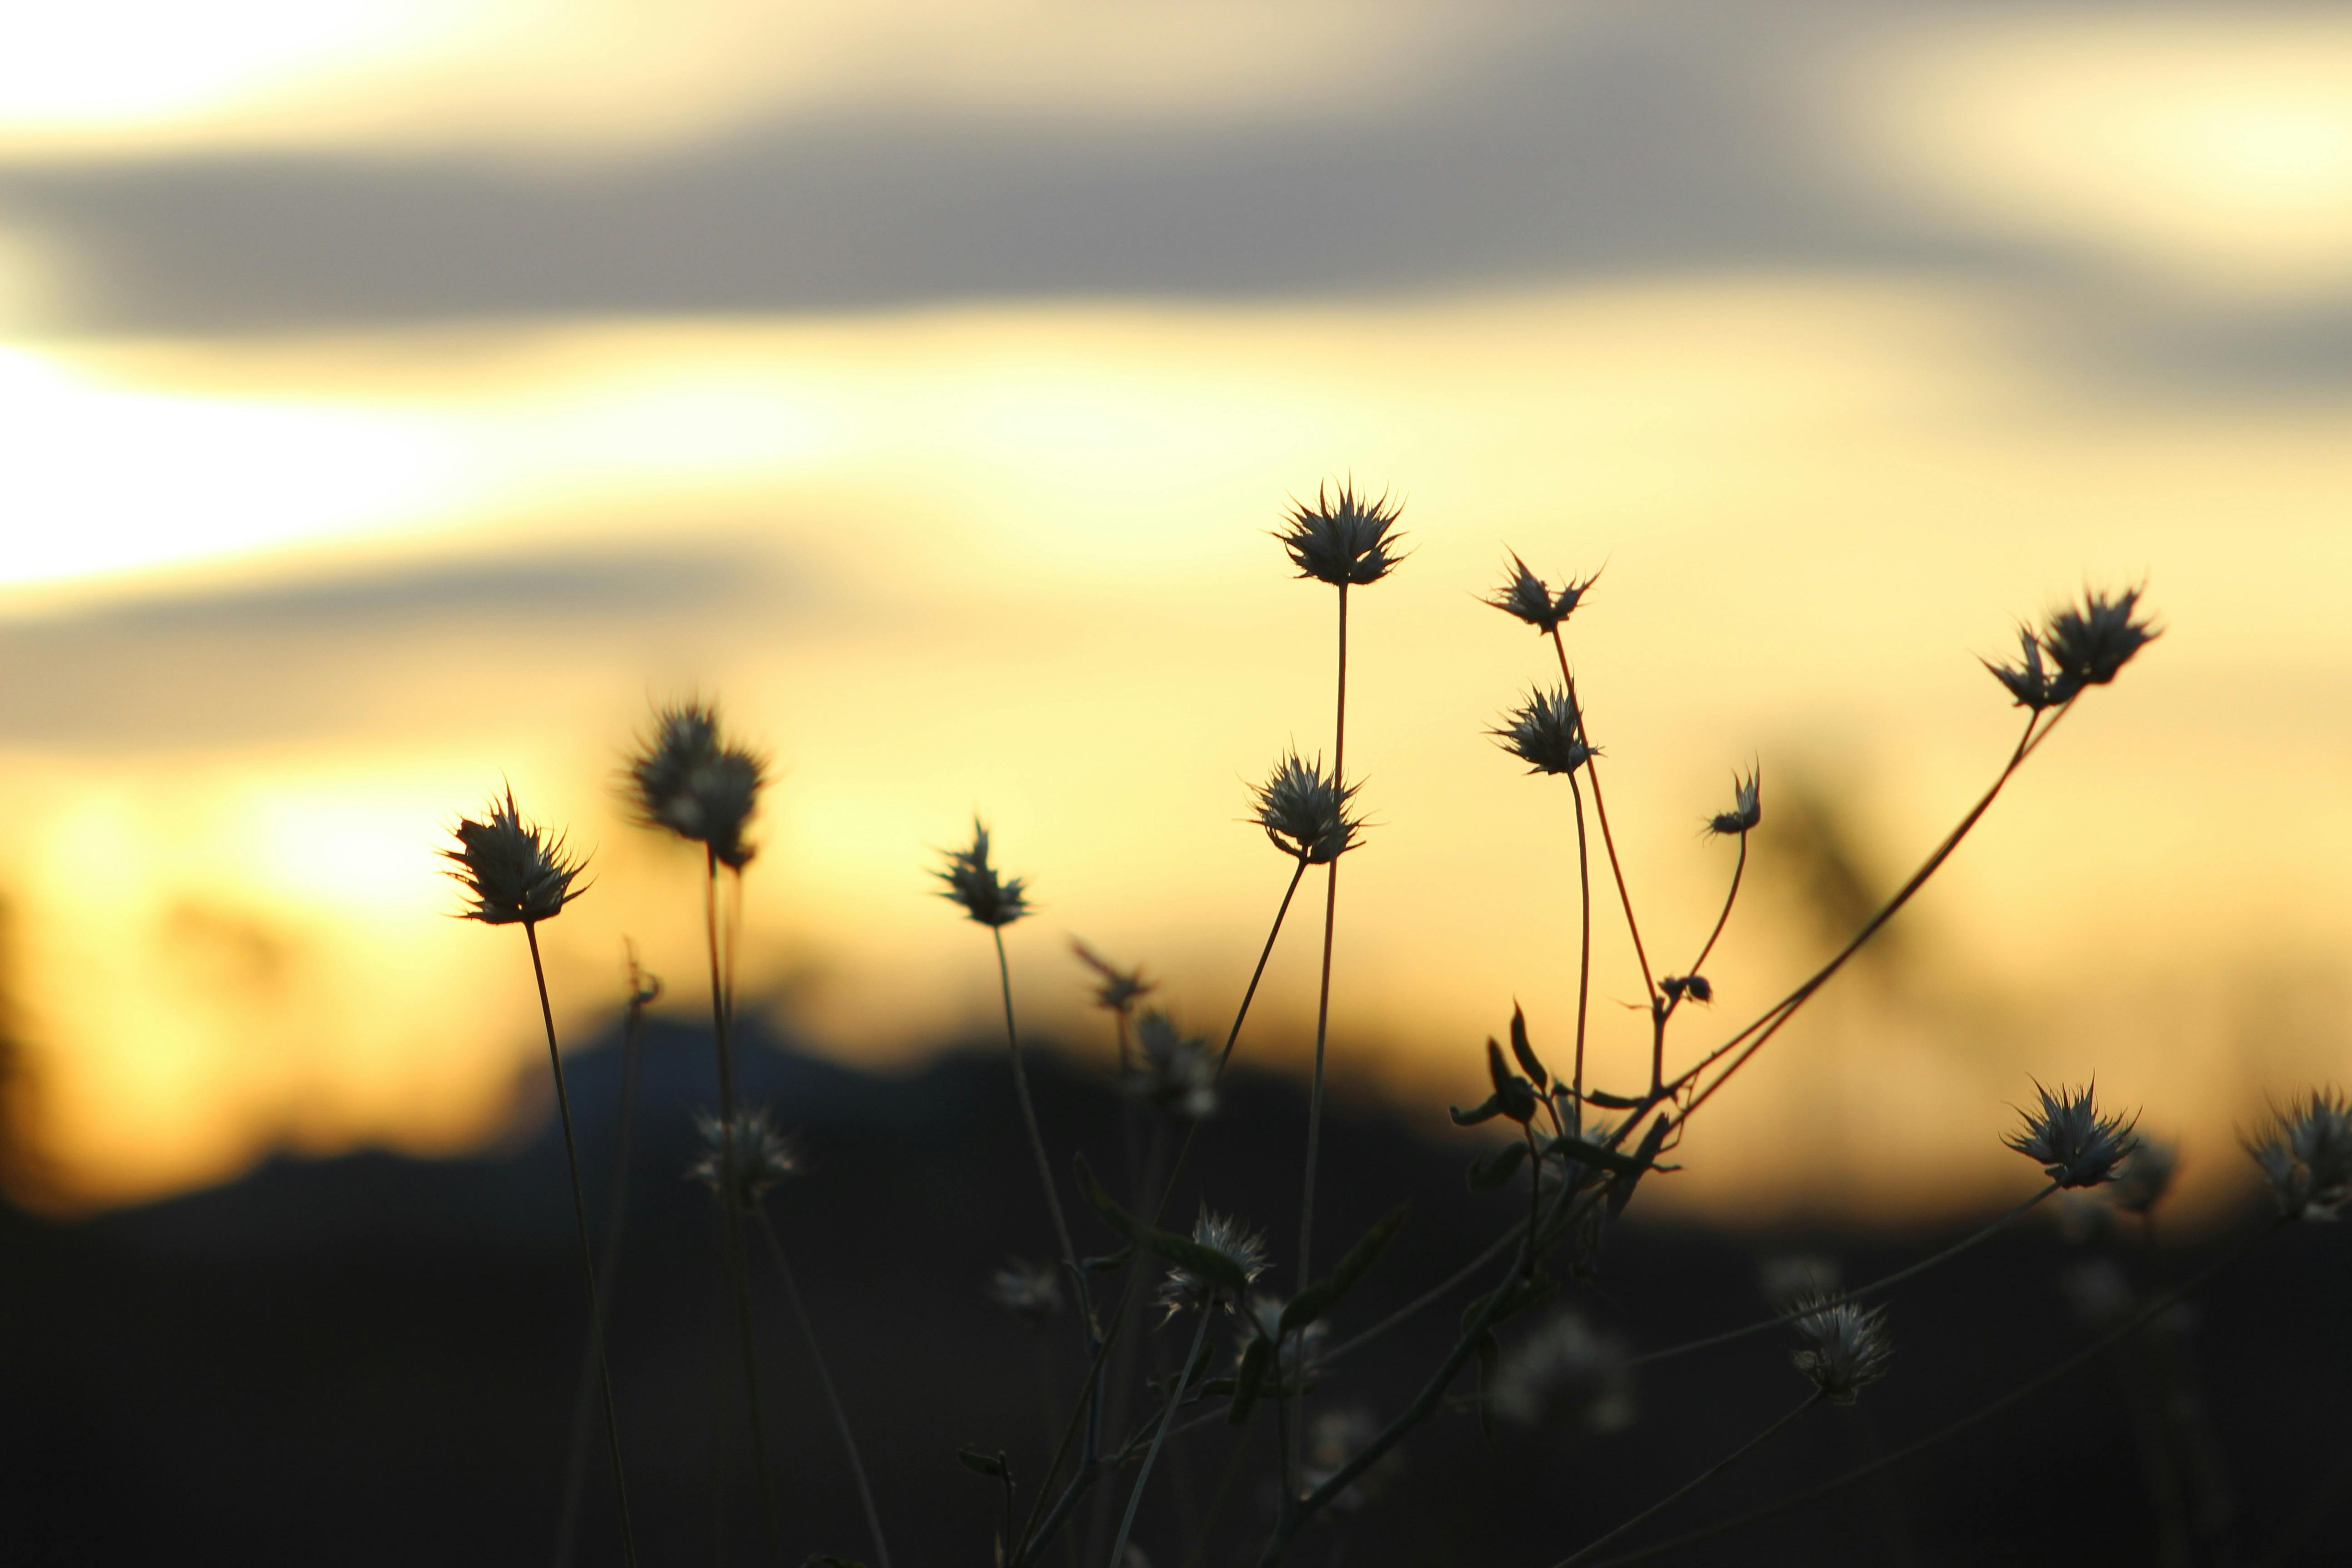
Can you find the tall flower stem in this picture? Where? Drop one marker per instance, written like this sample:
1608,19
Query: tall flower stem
1029,1124
1584,945
1322,1005
587,1247
1036,1532
1175,1397
1601,809
616,1222
824,1382
738,1267
1693,1485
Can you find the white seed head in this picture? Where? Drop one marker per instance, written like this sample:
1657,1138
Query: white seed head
747,1145
2068,1138
1030,1291
2306,1155
991,898
1245,1248
1846,1348
1174,1072
512,869
1305,812
1567,1372
1342,540
1547,732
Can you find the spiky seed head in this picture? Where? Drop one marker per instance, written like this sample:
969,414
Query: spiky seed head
1342,540
1567,1372
746,1146
1305,812
2144,1176
986,896
2027,680
2306,1155
1183,1289
1118,989
1301,1354
2089,643
512,870
2068,1138
1746,806
1547,732
1531,599
1846,1348
688,777
1174,1073
1030,1291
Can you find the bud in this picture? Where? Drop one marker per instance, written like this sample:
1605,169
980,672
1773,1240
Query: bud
1530,598
1342,540
2071,1140
512,870
1846,1349
1305,813
1547,732
986,897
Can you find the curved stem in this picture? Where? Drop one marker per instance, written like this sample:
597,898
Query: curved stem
2072,1364
1258,973
824,1382
1029,1118
1840,1299
1175,1397
1584,946
587,1248
1428,1298
1696,1482
1601,809
1737,870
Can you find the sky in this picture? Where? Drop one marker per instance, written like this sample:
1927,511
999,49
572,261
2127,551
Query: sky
396,400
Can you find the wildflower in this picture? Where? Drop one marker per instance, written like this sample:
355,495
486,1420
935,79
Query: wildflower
2307,1157
2087,645
1698,988
1342,540
759,1155
1177,1072
1301,1354
991,898
1030,1291
1746,806
2027,680
1567,1372
1223,1234
1846,1348
512,869
2071,1140
2144,1176
689,779
1305,813
1547,732
1530,598
1120,988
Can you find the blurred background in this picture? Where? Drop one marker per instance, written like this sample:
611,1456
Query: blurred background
399,397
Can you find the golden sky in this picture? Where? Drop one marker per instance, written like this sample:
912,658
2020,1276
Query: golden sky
923,383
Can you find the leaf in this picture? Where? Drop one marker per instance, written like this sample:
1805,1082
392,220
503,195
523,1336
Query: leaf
1621,1193
1495,1067
1324,1294
1488,1172
982,1462
1246,1381
1524,1051
1598,1155
1487,1112
1611,1101
1107,1261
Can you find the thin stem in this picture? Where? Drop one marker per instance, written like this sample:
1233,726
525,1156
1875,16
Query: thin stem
1840,1297
1322,1012
1037,1533
1175,1397
584,1396
1428,1298
1583,945
738,1267
1029,1116
1224,1487
825,1381
1601,809
1696,1482
1737,870
587,1248
1983,1413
